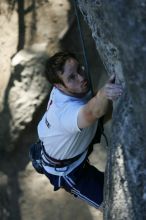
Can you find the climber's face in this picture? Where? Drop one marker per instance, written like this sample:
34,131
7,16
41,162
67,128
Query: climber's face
75,82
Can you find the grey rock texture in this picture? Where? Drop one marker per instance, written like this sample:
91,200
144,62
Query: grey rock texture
25,92
118,28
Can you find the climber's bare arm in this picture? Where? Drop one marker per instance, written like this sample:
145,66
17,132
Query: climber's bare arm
99,104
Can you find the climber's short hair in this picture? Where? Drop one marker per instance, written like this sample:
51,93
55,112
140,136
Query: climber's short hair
55,64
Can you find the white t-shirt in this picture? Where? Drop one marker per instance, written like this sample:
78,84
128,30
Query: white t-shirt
63,139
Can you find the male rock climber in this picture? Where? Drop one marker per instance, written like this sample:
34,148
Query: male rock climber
69,125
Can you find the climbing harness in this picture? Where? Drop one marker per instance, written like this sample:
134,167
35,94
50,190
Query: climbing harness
52,162
100,128
39,157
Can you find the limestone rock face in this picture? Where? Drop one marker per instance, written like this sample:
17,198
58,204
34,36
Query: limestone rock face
118,28
23,95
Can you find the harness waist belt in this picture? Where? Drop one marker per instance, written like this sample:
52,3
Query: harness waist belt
59,163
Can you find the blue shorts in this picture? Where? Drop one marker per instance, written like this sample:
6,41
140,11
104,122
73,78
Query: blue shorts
84,182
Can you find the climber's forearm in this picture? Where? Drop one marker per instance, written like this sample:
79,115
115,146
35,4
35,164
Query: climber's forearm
98,105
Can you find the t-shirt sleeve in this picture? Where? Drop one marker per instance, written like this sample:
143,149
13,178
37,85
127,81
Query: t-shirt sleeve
68,118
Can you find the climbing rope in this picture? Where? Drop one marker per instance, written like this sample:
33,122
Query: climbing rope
83,46
100,128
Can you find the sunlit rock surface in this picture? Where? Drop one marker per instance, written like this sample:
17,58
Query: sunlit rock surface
33,29
26,90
